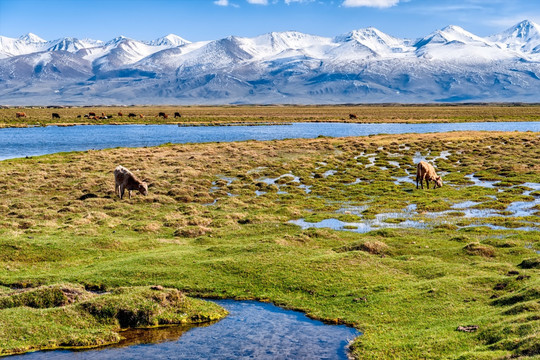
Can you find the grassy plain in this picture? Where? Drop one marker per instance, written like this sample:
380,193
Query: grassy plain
212,226
211,115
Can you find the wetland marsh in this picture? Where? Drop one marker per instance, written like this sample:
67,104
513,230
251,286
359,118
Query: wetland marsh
217,223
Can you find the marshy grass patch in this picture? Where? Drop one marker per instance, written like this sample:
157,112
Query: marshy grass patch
204,230
64,316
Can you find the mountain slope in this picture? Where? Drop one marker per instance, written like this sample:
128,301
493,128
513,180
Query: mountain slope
364,65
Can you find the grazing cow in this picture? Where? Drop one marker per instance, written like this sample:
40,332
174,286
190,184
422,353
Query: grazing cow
141,116
120,114
177,114
165,116
92,114
55,116
86,116
130,115
125,180
161,114
78,116
20,114
353,116
425,171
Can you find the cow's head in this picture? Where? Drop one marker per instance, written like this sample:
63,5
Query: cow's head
438,182
143,188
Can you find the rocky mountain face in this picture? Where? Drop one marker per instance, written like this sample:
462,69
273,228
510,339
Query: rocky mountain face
363,66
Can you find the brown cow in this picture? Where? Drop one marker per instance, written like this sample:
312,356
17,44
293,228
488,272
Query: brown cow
353,116
425,171
141,116
165,116
20,114
120,114
125,180
91,114
55,116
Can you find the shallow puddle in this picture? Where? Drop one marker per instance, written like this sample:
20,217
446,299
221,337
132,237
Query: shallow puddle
253,330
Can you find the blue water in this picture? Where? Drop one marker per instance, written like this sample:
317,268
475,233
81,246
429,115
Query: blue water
253,330
20,142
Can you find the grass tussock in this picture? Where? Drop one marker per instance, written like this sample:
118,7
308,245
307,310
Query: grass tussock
66,315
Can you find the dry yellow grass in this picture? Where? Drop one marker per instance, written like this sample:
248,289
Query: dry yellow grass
210,115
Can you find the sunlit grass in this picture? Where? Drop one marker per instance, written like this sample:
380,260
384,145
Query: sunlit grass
205,230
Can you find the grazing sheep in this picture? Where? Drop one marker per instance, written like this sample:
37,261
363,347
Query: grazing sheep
425,171
124,179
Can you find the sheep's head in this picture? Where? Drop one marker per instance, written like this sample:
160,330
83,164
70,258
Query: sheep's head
438,182
143,188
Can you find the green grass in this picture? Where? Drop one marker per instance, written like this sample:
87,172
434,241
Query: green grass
417,285
68,316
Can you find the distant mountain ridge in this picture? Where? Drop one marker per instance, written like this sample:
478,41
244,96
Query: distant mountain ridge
364,65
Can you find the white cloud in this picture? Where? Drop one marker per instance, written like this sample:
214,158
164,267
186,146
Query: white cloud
370,3
258,2
297,1
222,2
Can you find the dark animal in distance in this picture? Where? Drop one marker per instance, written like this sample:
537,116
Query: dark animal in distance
55,116
162,114
125,180
20,114
130,115
120,114
353,116
177,114
425,171
92,114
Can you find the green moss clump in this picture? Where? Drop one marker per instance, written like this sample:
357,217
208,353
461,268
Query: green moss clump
86,320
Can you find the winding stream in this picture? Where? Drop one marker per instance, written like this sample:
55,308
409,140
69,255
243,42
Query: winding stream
253,330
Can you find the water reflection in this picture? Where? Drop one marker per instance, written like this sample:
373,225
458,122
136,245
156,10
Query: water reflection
253,330
20,142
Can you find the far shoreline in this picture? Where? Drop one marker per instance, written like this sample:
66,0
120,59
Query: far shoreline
206,115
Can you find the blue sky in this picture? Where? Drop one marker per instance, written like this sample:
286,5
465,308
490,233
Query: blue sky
197,20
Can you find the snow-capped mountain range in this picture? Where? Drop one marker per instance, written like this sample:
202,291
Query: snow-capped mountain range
363,66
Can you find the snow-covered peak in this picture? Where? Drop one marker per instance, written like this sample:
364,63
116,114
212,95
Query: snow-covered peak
72,44
117,40
285,44
449,34
31,38
169,40
375,40
524,36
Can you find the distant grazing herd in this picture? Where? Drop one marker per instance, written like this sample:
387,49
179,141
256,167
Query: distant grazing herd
94,116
